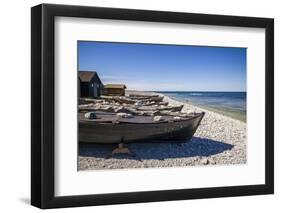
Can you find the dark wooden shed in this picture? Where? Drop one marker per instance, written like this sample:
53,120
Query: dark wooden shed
114,89
90,84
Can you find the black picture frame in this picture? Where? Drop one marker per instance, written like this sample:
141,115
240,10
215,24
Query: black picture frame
43,117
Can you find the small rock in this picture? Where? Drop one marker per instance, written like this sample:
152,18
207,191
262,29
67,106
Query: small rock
90,115
211,161
205,161
158,118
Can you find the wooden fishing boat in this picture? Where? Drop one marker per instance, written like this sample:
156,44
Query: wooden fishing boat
109,128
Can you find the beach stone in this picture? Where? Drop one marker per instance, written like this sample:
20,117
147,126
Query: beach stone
212,161
90,115
205,161
158,118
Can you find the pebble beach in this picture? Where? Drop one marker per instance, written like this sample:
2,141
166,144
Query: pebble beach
219,140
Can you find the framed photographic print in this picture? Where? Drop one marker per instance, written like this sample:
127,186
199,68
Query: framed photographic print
139,106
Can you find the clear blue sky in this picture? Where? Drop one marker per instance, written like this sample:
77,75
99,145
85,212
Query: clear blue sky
165,67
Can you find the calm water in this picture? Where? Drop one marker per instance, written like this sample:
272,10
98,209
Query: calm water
231,104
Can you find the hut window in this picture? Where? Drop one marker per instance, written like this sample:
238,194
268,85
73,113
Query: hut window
92,85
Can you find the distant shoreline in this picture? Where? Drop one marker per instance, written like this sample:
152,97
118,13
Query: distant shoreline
221,111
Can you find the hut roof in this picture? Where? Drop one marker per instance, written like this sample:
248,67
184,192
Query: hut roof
87,76
115,86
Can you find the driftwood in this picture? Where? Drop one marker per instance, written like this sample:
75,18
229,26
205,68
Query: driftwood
105,108
156,99
153,108
152,103
144,98
147,98
133,104
141,95
89,100
134,111
119,99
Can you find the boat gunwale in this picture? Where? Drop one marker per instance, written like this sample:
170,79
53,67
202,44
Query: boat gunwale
95,121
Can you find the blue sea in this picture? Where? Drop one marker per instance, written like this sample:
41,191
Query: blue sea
232,104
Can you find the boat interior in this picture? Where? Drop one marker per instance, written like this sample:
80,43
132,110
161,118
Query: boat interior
104,117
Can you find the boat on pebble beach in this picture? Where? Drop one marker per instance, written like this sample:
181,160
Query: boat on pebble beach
101,127
126,119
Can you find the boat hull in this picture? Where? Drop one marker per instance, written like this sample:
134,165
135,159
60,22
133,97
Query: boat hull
92,132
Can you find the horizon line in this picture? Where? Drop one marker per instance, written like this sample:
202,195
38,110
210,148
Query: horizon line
182,90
